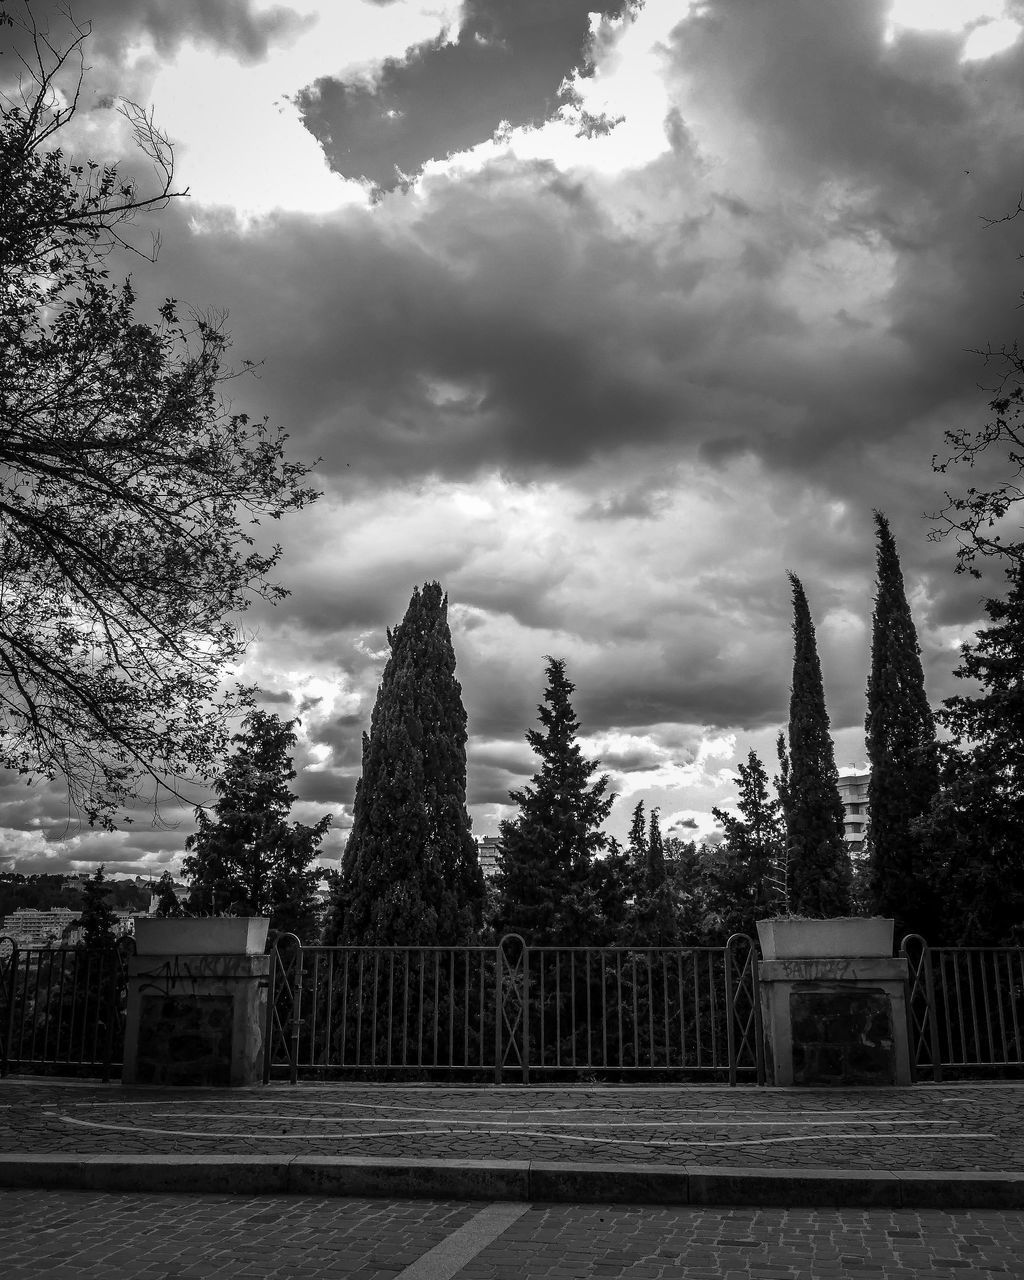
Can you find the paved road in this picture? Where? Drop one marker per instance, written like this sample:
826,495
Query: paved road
930,1127
82,1235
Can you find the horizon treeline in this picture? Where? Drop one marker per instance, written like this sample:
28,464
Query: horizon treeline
945,832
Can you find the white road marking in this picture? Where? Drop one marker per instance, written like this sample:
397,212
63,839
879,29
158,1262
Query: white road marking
449,1257
570,1124
522,1133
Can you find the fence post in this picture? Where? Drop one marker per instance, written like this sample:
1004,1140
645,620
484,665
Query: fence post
924,966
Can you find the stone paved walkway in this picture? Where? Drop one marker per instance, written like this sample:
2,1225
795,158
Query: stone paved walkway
929,1127
80,1236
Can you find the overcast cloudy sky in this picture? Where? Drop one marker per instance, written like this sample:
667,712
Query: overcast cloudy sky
605,320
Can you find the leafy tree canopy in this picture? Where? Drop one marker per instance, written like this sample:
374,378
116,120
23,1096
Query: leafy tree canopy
128,490
754,847
978,816
985,519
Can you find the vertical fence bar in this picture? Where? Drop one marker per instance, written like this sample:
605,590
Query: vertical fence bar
344,1008
730,1009
604,1012
268,1022
526,1013
499,1010
376,1002
359,1008
296,1028
1013,1004
407,956
618,998
437,998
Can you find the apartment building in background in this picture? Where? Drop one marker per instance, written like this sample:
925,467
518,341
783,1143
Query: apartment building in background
853,791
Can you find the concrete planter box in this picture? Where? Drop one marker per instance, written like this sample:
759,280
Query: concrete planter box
202,936
823,939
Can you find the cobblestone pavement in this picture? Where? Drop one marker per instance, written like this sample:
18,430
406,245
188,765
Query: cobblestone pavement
933,1127
77,1235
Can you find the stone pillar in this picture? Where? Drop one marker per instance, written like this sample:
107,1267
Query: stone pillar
195,1020
836,1021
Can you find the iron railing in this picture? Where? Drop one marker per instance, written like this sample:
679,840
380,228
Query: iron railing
513,1008
965,1007
62,1009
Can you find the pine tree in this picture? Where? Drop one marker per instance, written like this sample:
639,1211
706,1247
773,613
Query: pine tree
97,922
979,813
546,882
410,873
755,844
820,875
900,734
167,904
248,857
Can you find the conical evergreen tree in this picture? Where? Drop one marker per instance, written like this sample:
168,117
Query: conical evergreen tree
755,844
248,857
979,814
97,922
410,872
546,888
820,875
167,905
900,734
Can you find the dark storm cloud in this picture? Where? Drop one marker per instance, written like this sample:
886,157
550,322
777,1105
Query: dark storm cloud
233,26
507,63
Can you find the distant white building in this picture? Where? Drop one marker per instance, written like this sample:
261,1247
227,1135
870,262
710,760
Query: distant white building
853,791
32,927
487,848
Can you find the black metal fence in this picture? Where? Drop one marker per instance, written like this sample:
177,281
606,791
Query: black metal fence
965,1008
62,1009
514,1009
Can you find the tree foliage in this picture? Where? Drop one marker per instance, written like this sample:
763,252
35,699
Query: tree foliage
754,847
410,872
128,490
547,884
248,857
820,875
97,923
978,816
901,747
984,518
167,905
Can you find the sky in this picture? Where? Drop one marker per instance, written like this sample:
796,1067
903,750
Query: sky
605,318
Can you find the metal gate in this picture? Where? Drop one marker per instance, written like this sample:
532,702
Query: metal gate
512,1010
965,1008
62,1009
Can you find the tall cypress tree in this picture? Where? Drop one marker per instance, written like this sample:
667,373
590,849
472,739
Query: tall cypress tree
820,875
979,813
900,734
410,873
546,887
